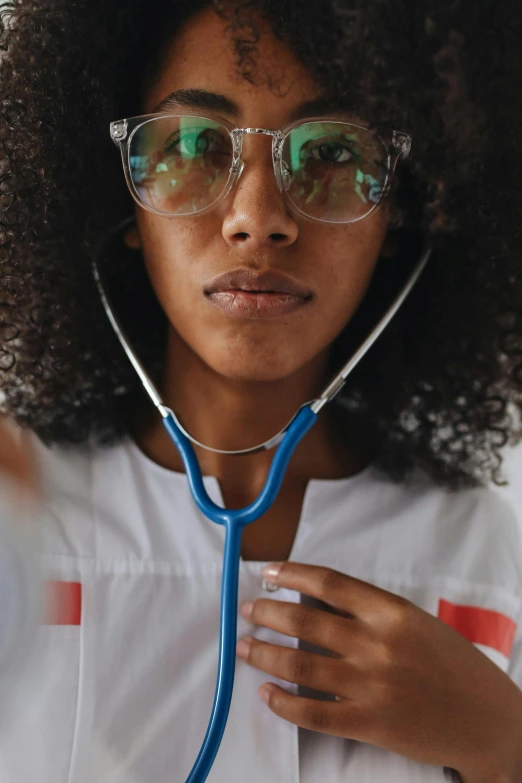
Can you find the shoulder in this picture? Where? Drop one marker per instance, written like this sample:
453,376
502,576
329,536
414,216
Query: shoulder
62,469
418,531
65,519
472,532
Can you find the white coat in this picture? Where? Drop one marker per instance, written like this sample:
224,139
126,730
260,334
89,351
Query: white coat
120,687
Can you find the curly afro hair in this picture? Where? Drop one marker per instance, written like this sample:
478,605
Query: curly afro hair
442,387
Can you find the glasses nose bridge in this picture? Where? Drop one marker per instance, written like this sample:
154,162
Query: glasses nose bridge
277,138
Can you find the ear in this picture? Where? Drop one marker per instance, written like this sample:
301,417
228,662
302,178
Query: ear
132,238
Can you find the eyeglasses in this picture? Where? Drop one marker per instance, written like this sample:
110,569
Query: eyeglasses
328,170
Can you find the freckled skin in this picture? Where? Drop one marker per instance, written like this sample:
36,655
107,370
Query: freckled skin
236,382
182,254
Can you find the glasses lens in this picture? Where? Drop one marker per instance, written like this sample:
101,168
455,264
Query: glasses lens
180,165
334,171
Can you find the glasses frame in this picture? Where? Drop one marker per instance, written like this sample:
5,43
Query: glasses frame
396,143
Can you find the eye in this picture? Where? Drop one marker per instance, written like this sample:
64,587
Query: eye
193,142
331,152
331,149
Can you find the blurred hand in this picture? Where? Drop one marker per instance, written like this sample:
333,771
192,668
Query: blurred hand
16,458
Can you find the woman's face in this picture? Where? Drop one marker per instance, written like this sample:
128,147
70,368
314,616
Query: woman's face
252,227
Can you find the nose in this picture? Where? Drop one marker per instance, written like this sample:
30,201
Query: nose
257,215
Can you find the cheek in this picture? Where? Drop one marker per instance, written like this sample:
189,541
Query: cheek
172,250
182,255
348,257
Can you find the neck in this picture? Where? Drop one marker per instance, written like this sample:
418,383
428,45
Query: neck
233,414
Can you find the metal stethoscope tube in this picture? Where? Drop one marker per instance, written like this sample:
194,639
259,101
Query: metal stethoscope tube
235,520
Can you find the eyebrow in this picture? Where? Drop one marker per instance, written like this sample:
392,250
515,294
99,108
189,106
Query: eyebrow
216,102
198,99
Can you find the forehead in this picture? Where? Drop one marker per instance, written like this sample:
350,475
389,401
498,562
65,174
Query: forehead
203,56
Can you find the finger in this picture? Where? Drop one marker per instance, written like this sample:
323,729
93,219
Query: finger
342,592
319,672
339,634
340,719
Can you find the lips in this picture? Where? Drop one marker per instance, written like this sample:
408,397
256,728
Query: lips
243,293
269,281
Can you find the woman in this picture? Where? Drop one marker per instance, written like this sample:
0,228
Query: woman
392,629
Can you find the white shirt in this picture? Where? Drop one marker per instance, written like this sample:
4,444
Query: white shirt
123,691
512,472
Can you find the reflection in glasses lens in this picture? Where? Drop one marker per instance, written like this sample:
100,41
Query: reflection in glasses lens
334,171
331,171
180,165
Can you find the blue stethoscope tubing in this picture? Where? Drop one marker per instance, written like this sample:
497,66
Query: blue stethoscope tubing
235,520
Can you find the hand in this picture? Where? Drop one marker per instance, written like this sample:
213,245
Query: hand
403,680
16,459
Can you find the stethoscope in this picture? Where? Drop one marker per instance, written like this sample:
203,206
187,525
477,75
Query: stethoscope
235,520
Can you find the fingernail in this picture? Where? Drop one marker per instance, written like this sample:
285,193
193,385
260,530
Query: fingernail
246,609
243,647
264,692
271,571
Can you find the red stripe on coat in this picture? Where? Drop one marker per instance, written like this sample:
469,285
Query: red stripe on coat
480,626
62,603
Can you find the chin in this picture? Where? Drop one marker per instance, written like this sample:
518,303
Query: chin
253,370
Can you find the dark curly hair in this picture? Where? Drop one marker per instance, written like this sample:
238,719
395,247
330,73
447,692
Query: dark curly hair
442,387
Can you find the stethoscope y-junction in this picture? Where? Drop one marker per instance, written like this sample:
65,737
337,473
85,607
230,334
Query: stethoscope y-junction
235,520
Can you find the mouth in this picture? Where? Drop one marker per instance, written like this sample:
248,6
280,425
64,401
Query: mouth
249,294
268,282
